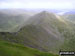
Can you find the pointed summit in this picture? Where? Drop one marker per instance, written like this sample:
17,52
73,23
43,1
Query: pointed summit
44,12
42,17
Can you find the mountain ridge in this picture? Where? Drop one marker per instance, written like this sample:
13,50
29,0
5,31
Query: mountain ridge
43,31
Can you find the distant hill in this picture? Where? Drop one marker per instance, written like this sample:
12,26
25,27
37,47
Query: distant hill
9,22
70,16
44,31
70,12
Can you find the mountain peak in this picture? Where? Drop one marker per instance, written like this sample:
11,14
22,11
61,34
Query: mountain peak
44,12
42,17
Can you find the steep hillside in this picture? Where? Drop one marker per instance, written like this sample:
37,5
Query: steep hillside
53,30
12,49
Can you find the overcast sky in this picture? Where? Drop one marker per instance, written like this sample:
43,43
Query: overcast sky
37,4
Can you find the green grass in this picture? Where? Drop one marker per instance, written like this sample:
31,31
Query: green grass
12,49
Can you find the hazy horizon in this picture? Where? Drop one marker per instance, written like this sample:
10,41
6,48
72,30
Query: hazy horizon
37,4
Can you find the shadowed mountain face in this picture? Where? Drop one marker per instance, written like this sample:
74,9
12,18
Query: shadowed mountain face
9,22
44,31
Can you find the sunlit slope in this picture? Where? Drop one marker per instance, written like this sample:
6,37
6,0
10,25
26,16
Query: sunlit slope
12,49
69,43
44,31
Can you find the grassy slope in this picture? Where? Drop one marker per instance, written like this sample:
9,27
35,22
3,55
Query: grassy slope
11,49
